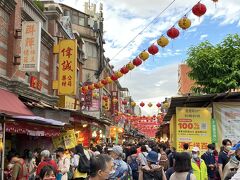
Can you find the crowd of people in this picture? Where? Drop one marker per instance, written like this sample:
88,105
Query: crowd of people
145,160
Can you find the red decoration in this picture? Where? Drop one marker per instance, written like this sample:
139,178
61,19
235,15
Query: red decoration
124,102
96,85
142,104
124,70
199,9
105,98
35,83
114,77
153,49
104,82
158,105
173,33
137,61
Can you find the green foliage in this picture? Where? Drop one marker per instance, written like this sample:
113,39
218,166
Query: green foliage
39,4
215,69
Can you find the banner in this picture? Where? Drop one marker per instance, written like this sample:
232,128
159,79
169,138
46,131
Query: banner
214,131
67,71
30,46
193,126
67,140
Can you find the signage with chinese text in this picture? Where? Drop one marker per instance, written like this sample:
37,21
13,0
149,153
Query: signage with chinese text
193,126
35,83
67,72
68,102
30,46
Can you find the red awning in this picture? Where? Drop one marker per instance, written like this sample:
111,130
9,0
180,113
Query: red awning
11,105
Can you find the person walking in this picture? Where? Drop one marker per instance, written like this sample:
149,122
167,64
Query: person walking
210,162
182,167
164,158
198,165
63,164
142,156
134,162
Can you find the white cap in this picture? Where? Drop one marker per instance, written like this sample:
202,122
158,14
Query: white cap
195,149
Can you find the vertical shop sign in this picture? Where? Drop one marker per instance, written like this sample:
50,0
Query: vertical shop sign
114,106
214,131
67,67
30,46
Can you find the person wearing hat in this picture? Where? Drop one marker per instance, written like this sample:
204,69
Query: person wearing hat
198,165
63,163
233,165
152,170
122,170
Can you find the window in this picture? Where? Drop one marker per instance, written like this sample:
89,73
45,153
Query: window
78,18
91,49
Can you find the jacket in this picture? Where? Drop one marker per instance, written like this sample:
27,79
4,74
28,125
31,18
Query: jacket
155,172
200,173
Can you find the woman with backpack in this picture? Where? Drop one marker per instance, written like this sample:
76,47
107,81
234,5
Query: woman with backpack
182,167
134,162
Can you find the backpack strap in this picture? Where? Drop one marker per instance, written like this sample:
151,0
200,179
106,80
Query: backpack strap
189,176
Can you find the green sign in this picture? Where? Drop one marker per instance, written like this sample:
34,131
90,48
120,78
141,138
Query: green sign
214,131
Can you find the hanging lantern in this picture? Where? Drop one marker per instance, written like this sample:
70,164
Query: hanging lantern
137,61
85,88
144,55
115,100
199,9
95,95
142,104
109,80
124,70
100,85
105,98
153,49
96,85
104,81
158,105
124,102
130,66
149,104
163,41
91,87
173,33
114,77
118,74
133,104
184,23
215,1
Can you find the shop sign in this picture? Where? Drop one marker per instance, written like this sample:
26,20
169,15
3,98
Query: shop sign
193,126
67,72
214,131
68,102
30,46
66,139
35,83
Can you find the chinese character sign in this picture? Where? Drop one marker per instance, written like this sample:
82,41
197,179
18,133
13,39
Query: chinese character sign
193,126
67,67
30,46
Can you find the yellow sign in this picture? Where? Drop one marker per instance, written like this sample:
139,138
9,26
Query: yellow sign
193,126
66,139
68,102
67,71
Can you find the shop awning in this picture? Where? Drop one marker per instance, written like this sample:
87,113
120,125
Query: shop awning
11,105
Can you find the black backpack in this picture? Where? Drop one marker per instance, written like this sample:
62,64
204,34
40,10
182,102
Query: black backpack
84,164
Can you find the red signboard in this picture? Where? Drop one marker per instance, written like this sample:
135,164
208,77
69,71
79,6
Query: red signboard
35,83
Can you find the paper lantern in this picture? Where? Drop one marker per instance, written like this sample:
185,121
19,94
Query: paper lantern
109,80
104,81
91,87
153,49
124,70
137,61
184,23
173,33
163,41
118,74
130,66
215,1
114,77
124,102
133,104
105,98
96,85
144,55
115,100
142,104
158,105
149,104
100,85
199,9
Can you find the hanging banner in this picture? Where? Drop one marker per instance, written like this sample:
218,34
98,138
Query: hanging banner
193,126
30,46
214,131
67,72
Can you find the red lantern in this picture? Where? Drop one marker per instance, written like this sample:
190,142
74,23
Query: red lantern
158,105
124,70
91,87
153,49
199,9
142,104
96,85
104,82
173,33
105,98
124,102
137,61
114,77
85,88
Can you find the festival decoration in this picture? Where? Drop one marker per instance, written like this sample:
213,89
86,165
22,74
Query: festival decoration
133,104
142,104
118,74
114,77
199,9
109,80
144,55
158,105
105,98
124,70
91,87
162,41
96,85
115,100
137,61
130,66
184,23
104,81
100,85
153,49
173,33
85,88
149,104
124,102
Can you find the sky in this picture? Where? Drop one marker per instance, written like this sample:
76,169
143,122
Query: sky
157,78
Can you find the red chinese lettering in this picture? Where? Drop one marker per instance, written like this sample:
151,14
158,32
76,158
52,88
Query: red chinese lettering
66,65
30,29
67,52
64,82
204,145
30,42
69,80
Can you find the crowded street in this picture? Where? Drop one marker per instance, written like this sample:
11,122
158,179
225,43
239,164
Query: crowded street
119,90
